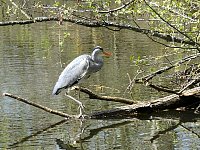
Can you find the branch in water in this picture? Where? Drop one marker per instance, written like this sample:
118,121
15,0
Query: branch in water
39,106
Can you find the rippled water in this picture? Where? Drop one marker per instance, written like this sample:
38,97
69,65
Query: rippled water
31,59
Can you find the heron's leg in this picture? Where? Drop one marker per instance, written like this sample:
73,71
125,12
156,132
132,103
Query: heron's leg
79,92
81,107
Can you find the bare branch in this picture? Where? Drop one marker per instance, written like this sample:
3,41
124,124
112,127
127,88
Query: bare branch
174,11
181,47
157,135
163,89
160,71
23,12
40,106
117,9
95,23
105,98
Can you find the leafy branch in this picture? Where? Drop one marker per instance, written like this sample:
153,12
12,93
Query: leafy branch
190,39
96,23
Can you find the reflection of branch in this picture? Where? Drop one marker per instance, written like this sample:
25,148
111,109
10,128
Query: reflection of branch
175,115
191,131
157,135
65,146
94,132
37,133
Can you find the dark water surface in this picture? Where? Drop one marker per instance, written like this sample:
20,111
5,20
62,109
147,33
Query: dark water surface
31,59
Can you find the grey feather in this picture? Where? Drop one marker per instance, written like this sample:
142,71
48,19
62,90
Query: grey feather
80,68
74,72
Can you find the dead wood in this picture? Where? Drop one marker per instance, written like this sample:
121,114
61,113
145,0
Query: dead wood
105,98
162,70
188,98
190,81
39,106
173,101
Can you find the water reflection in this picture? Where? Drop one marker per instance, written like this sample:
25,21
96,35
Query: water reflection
118,133
31,58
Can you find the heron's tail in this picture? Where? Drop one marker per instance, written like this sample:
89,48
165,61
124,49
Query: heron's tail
56,91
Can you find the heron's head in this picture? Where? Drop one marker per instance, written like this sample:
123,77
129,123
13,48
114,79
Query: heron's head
99,50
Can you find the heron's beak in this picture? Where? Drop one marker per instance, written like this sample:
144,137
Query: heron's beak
108,54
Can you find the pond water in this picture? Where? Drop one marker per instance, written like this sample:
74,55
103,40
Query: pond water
31,59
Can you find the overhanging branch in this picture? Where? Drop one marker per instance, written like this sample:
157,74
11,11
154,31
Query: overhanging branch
172,26
95,23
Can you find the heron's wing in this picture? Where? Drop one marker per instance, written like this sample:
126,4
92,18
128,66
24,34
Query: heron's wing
74,72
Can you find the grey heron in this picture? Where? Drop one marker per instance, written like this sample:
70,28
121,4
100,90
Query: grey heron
79,69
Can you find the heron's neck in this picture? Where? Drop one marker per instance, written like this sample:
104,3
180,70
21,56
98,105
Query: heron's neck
97,58
97,62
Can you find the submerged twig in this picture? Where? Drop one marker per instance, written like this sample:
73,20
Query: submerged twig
192,82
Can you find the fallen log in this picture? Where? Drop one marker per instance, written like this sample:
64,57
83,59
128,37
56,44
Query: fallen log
174,101
187,98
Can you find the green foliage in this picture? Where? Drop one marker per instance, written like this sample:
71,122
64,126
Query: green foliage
65,36
57,4
182,15
176,18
